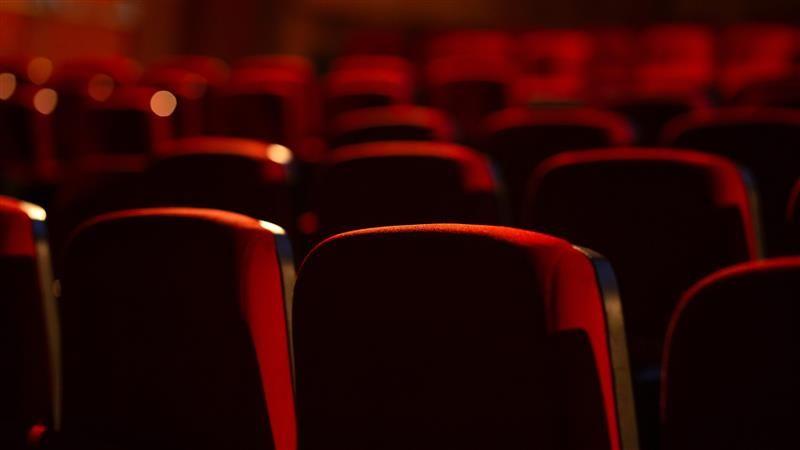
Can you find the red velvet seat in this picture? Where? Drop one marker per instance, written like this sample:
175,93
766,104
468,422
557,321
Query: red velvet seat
79,82
650,113
663,218
475,42
199,80
28,331
133,120
395,183
519,139
674,58
459,336
764,141
26,132
174,333
246,176
469,89
730,366
271,99
556,61
348,89
390,123
753,52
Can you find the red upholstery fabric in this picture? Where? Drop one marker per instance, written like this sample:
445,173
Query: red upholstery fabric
519,139
25,364
730,366
26,137
469,88
457,336
171,344
125,123
367,81
752,52
480,43
675,58
390,123
765,141
783,92
393,183
650,113
268,103
556,62
240,175
663,218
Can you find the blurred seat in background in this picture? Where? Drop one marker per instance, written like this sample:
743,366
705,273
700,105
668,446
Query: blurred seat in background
390,123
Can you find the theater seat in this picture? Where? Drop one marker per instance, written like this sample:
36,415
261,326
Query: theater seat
174,333
783,92
28,327
390,123
766,141
730,366
396,183
131,121
458,336
271,103
469,89
26,132
663,218
79,82
518,139
352,84
246,176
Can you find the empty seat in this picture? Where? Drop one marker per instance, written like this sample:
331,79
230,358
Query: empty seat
390,123
26,132
213,74
133,120
79,82
650,113
28,329
348,89
518,139
752,52
674,58
393,183
241,175
730,367
764,141
174,333
458,336
270,101
663,218
469,89
476,42
555,62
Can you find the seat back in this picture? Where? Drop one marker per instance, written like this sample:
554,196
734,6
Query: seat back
395,183
664,218
519,139
174,332
390,123
29,361
458,336
730,365
246,176
764,141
